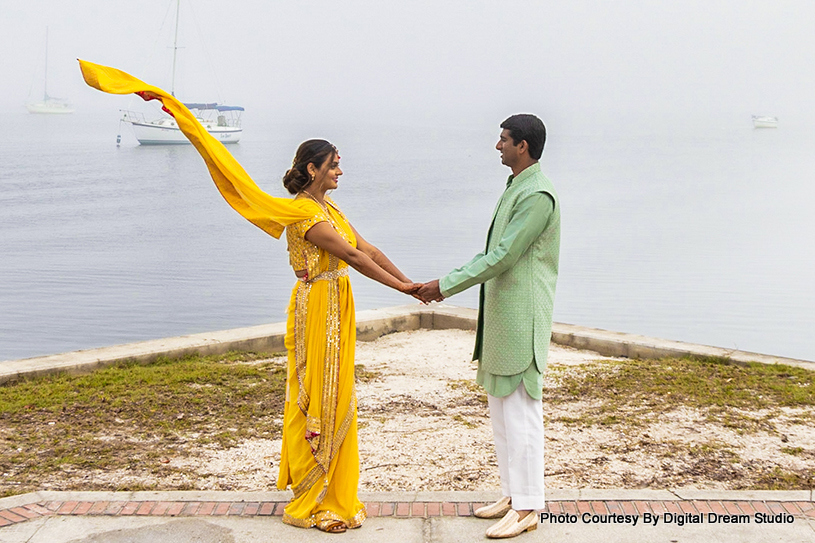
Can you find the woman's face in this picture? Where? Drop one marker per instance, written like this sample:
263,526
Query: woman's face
327,176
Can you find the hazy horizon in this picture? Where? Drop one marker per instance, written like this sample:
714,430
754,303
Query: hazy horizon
459,62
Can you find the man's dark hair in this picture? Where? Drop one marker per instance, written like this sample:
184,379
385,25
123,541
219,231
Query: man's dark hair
527,127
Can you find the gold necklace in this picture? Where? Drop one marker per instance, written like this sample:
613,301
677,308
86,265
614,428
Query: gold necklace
323,207
334,225
312,197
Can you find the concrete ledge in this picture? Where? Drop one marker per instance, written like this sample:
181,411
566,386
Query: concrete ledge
644,494
455,496
635,346
747,495
446,317
20,500
210,496
263,338
371,324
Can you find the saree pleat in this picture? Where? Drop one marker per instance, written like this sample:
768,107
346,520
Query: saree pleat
320,456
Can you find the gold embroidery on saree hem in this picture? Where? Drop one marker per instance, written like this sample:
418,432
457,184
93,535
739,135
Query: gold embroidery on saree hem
321,516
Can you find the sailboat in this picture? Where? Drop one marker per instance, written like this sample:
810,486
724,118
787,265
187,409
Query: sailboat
222,121
49,104
765,121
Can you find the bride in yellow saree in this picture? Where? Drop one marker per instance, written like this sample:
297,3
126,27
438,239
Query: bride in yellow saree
320,456
320,459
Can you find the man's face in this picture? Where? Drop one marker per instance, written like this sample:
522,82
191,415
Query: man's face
508,149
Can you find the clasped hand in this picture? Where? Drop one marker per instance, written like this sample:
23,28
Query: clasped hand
424,292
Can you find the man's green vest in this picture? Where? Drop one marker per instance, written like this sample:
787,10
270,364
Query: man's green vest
515,310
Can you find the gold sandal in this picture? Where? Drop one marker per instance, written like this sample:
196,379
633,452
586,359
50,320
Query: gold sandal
331,526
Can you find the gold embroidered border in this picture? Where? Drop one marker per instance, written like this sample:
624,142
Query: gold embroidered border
308,481
331,374
342,431
327,276
321,516
300,310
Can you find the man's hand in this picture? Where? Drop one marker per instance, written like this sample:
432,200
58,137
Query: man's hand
430,292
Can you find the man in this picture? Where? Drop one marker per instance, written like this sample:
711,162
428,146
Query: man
517,272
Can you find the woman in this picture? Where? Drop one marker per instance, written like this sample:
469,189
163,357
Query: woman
320,459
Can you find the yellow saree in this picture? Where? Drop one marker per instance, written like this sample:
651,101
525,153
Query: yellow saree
320,457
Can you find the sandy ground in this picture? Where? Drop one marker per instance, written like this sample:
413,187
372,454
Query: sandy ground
424,425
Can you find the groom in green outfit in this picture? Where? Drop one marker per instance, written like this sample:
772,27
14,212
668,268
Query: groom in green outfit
517,272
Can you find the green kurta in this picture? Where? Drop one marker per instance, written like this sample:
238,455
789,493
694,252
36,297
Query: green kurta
518,271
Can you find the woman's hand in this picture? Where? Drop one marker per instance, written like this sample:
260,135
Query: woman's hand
409,288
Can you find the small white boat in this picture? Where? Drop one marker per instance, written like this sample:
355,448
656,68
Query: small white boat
224,126
49,104
763,121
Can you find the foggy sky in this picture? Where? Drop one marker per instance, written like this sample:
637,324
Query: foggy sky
430,61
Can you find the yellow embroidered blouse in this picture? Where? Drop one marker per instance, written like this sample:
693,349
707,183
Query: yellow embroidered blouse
304,255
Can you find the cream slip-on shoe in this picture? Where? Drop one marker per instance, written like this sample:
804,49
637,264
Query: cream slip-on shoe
510,525
495,510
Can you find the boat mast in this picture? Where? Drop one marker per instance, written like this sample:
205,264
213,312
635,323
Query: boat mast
175,44
45,81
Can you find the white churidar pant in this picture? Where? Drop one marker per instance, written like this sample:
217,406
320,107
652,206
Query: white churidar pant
517,426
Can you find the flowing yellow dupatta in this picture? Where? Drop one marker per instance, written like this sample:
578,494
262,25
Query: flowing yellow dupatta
269,213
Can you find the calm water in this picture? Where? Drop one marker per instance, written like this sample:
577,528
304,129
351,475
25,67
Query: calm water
703,235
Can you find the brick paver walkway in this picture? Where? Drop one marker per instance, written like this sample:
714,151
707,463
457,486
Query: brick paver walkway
400,509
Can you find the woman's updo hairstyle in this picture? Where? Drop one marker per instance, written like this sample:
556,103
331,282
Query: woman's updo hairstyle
310,152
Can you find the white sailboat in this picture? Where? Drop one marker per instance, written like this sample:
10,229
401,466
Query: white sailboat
164,131
764,121
222,121
49,104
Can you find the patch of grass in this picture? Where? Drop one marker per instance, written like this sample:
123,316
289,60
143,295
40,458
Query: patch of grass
739,421
130,416
581,420
779,479
625,395
469,387
465,422
363,375
795,451
646,388
708,448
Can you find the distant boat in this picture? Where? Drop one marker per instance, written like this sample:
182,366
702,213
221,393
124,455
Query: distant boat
763,121
165,131
222,121
49,104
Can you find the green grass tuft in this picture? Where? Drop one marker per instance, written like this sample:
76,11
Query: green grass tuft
647,388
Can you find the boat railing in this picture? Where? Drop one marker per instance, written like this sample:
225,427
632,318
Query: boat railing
133,116
229,118
224,119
